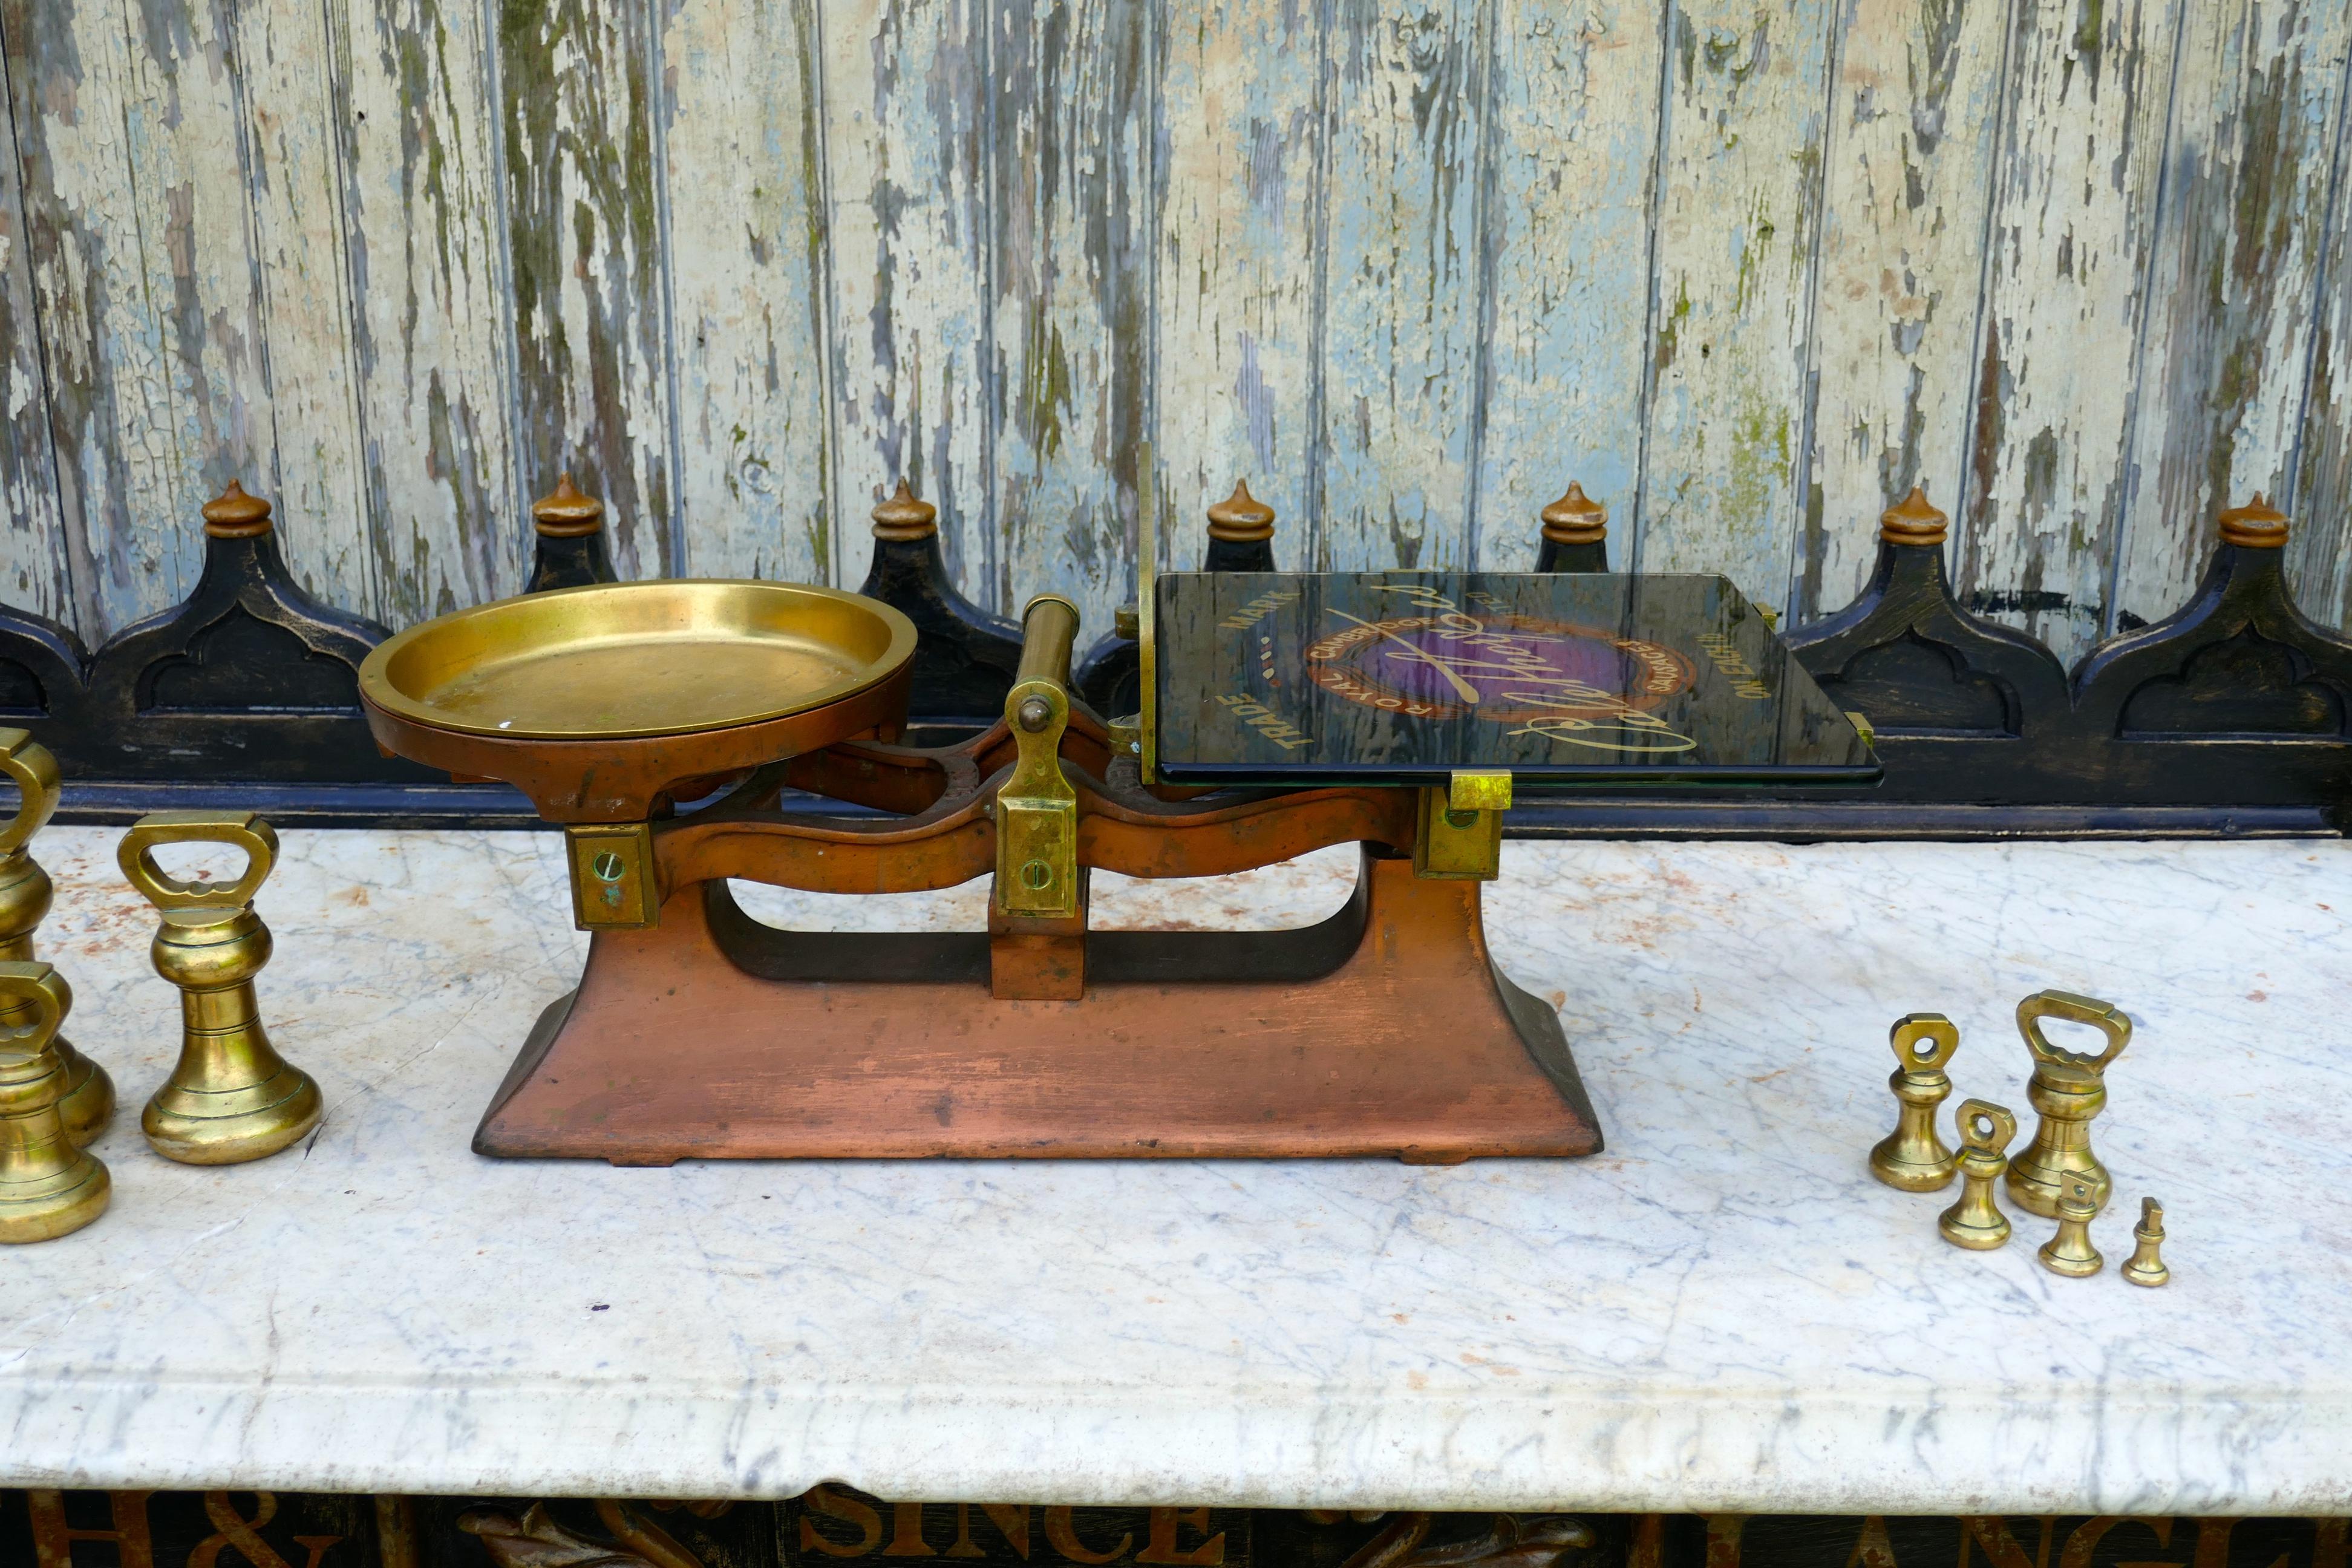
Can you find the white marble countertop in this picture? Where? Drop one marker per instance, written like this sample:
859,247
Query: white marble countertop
1721,1312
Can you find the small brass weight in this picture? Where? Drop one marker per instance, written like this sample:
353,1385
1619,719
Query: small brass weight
2146,1266
1976,1221
2068,1090
1913,1157
48,1186
232,1097
25,892
2070,1251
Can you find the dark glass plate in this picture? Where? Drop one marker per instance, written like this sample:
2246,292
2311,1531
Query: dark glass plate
1570,680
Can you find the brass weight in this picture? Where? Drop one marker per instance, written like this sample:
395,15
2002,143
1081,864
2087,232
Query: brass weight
1976,1221
48,1187
2146,1266
1913,1157
232,1097
25,892
2068,1090
2069,1252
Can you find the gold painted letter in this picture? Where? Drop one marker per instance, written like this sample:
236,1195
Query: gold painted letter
53,1538
1012,1522
849,1511
1064,1539
1162,1546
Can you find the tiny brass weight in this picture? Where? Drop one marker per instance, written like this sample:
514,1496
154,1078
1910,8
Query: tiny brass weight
1976,1221
2068,1090
2070,1251
232,1097
48,1186
2146,1266
1913,1156
25,894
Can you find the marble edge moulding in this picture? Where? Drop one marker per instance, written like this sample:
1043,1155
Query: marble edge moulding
1639,1451
2232,716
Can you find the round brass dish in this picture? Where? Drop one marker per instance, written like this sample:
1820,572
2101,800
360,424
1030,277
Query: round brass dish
596,702
621,661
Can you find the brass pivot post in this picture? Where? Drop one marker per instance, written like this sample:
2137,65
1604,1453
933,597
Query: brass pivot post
2068,1090
2146,1264
232,1097
1913,1157
1976,1221
2070,1251
48,1187
25,891
1037,916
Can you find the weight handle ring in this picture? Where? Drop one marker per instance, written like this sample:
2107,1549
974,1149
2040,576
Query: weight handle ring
249,832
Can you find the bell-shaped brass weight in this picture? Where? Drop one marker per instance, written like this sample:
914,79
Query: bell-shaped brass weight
2068,1090
2146,1266
2070,1251
1913,1156
48,1187
232,1097
25,891
1976,1222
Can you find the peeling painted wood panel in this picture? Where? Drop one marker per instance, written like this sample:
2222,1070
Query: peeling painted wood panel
190,168
110,403
585,247
905,147
397,262
1070,349
1401,360
1242,121
2317,549
432,333
150,309
291,96
2072,228
1572,138
33,573
1746,92
2257,97
1914,118
740,97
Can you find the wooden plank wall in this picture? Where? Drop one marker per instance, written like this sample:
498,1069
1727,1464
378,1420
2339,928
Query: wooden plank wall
1747,269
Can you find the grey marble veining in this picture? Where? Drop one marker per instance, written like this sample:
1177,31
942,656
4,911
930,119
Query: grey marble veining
1723,1310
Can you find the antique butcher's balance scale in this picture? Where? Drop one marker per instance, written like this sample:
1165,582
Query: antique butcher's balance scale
661,722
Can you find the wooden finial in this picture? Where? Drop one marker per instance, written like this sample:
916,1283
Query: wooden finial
1240,517
2256,526
568,513
902,517
1913,520
1576,519
236,515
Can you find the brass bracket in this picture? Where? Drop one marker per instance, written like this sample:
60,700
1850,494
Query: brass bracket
1037,810
1458,834
612,881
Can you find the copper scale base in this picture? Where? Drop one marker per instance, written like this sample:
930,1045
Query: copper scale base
1386,1030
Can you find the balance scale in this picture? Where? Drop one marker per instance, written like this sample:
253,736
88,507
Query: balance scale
1283,712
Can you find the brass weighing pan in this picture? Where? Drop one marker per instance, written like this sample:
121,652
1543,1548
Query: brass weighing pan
594,701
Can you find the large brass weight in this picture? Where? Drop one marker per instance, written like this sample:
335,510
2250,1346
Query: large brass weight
2069,1089
232,1097
88,1099
48,1187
